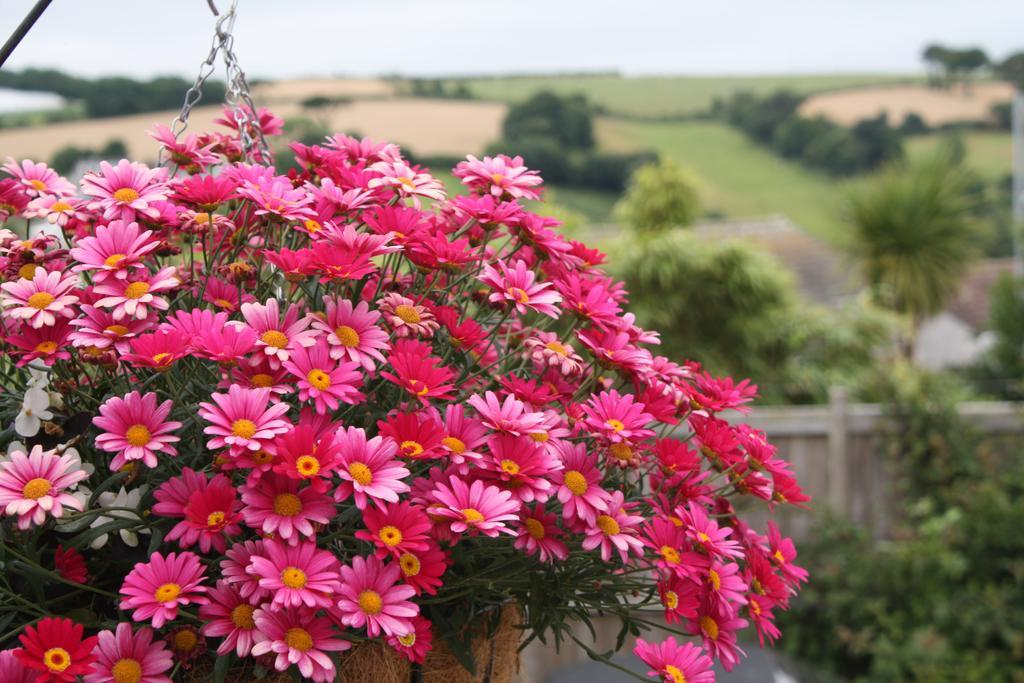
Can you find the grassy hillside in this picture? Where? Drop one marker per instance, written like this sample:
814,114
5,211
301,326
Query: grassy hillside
990,153
666,95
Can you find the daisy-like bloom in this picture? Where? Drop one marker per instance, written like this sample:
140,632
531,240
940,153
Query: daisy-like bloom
234,567
40,300
36,484
70,564
277,197
114,250
408,181
35,407
308,454
55,648
126,190
298,637
229,616
135,298
122,656
782,552
416,371
336,264
372,597
276,506
13,671
185,152
716,623
226,345
56,210
157,350
706,535
47,344
679,597
97,328
423,570
476,508
406,317
499,176
415,644
670,545
295,265
368,469
463,437
155,589
297,575
615,530
136,428
723,581
210,514
522,465
324,381
510,416
418,434
240,419
540,535
352,332
396,529
616,417
124,502
224,295
38,179
546,350
672,662
277,335
516,286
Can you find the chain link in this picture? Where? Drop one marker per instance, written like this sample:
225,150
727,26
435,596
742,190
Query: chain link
237,96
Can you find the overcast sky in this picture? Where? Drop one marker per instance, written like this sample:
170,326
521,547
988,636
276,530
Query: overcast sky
281,38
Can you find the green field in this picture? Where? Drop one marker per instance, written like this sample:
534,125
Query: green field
988,152
740,179
666,95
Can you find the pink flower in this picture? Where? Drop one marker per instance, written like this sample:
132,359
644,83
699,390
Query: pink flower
136,428
277,335
717,625
122,655
240,420
155,589
98,328
521,465
114,250
516,286
276,506
368,469
371,597
406,317
499,176
615,530
416,643
705,533
352,332
186,152
299,638
40,300
134,298
235,569
546,350
276,197
510,416
56,210
210,514
408,181
38,179
476,508
324,381
675,663
396,529
540,535
579,484
297,575
125,190
229,616
617,418
35,485
418,372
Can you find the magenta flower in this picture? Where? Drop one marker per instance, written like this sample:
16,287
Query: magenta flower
229,616
499,176
276,197
276,506
616,417
123,655
672,662
372,597
276,336
516,286
114,250
615,530
38,179
40,300
35,484
322,380
135,298
475,508
298,638
154,590
579,484
510,415
240,419
136,428
352,332
368,468
126,190
297,575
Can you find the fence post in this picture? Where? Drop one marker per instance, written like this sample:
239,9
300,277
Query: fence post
838,441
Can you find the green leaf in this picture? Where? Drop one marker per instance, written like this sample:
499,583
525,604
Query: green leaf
221,666
88,536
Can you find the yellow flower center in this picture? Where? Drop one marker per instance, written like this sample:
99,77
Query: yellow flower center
411,449
757,586
312,226
509,467
224,303
453,444
518,294
36,488
185,640
241,616
201,217
113,260
410,564
710,627
608,525
557,347
243,429
407,313
391,536
615,425
117,330
347,336
621,451
40,300
262,380
540,437
360,473
779,559
408,640
46,347
293,577
136,290
56,659
755,608
576,482
126,195
703,537
670,554
675,674
126,670
28,271
714,579
472,515
307,465
319,379
216,520
670,599
37,184
162,358
167,592
535,528
298,639
274,338
406,181
261,457
370,602
287,504
59,206
137,435
496,178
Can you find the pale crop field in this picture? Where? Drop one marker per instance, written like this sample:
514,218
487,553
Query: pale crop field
935,105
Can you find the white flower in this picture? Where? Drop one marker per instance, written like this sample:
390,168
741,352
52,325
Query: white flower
122,499
34,409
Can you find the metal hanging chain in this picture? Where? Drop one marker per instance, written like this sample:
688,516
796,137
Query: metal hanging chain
23,28
237,96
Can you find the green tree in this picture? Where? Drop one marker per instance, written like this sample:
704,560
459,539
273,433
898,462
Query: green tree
1011,69
913,234
567,120
659,196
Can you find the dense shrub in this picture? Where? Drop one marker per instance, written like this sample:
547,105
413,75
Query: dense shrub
659,196
609,171
568,120
913,124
